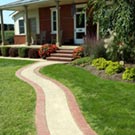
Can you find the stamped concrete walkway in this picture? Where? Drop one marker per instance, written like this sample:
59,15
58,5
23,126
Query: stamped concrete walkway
57,112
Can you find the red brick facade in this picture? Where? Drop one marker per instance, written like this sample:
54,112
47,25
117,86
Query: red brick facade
66,20
45,22
66,24
19,39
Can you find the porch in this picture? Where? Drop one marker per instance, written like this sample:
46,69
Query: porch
23,9
58,20
38,46
63,53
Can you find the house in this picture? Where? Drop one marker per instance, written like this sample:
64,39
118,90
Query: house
49,20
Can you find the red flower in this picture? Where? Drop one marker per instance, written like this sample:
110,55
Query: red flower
46,50
78,52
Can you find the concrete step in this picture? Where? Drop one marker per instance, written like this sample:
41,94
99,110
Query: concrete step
65,55
69,55
59,58
65,51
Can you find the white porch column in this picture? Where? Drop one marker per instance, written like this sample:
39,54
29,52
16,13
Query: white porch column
2,28
26,26
97,31
58,40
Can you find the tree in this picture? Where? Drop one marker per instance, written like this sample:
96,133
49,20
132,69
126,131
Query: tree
117,16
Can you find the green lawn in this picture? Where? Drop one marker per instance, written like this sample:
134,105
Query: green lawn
108,106
17,101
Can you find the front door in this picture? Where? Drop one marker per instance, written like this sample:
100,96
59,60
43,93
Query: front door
79,25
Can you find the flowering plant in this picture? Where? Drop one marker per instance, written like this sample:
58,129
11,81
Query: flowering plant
53,48
78,52
46,50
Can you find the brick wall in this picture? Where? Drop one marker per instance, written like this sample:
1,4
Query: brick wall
19,39
66,20
45,22
67,25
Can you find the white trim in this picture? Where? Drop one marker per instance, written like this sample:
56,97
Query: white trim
20,16
81,5
53,10
77,30
21,26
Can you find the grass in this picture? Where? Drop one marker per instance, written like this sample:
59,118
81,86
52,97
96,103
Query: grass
108,106
17,101
82,62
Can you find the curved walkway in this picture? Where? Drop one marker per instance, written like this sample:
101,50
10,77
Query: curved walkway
56,110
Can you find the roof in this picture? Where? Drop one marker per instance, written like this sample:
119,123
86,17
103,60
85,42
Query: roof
19,3
32,4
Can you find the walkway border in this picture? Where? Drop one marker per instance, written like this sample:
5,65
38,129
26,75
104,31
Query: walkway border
40,118
73,106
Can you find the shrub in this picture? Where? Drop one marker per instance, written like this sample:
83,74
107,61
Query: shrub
46,50
99,51
33,53
94,48
53,48
114,67
100,63
13,52
23,52
9,37
129,74
82,61
129,54
10,40
5,51
78,52
0,52
111,19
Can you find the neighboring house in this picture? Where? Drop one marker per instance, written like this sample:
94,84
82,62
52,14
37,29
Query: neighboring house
59,20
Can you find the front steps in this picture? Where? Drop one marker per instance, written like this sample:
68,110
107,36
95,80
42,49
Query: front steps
62,55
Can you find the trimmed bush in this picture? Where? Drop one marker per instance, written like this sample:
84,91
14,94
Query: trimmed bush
78,52
5,51
0,52
114,67
13,52
23,52
33,53
129,74
82,61
100,63
46,50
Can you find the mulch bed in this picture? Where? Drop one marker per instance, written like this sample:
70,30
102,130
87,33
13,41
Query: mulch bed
102,74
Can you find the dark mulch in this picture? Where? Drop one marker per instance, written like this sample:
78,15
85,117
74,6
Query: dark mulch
102,74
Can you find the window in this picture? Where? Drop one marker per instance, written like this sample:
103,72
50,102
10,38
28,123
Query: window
80,23
21,27
53,20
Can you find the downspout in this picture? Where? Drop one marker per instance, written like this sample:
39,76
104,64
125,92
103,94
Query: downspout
2,28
